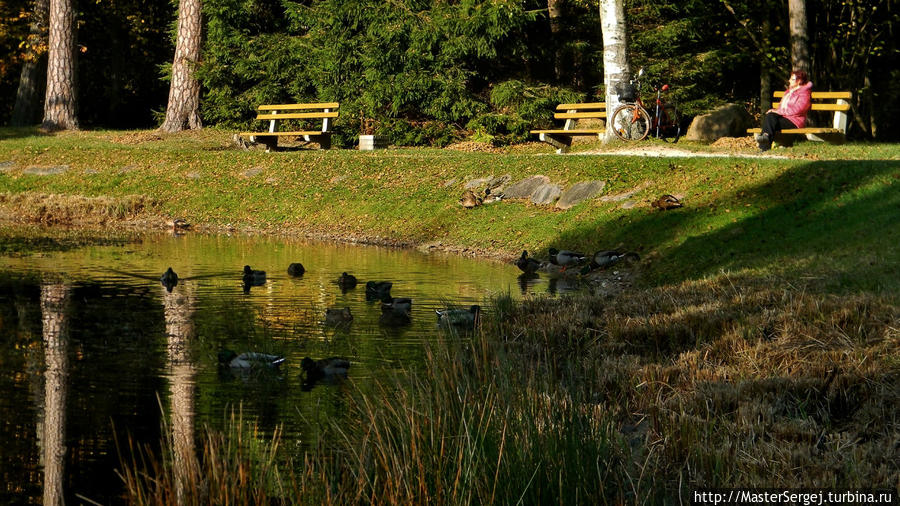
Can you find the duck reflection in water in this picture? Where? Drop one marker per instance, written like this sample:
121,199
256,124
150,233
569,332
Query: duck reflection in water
527,281
562,285
329,371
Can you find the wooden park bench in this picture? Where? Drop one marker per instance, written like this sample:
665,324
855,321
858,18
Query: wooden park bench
835,101
276,113
561,139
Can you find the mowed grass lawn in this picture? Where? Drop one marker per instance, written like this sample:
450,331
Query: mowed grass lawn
758,346
829,212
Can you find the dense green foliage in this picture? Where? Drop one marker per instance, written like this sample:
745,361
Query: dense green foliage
430,71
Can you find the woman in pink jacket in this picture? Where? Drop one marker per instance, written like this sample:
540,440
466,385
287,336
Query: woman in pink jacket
791,112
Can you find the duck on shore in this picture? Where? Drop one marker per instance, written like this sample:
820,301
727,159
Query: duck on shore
667,202
469,199
605,259
566,258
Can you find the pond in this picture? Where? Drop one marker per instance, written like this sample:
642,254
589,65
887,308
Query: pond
94,348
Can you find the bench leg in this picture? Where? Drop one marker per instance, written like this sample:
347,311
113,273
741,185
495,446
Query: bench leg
324,141
561,143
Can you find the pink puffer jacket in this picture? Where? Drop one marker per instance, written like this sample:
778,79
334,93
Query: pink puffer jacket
795,104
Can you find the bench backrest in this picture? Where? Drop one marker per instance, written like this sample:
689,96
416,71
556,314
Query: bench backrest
325,111
836,101
575,112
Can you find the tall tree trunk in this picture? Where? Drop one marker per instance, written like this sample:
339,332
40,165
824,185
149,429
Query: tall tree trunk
554,9
26,109
615,55
60,100
765,74
183,110
799,35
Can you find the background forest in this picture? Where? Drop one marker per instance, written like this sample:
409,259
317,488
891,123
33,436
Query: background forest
432,71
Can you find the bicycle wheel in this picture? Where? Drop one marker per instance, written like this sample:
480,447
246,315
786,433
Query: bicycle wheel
669,124
630,122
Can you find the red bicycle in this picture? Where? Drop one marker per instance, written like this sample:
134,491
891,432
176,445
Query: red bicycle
632,122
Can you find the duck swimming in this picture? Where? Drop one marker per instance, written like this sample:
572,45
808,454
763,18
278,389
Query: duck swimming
296,269
169,279
459,317
253,278
346,281
338,316
604,259
249,360
565,258
326,368
396,305
667,202
377,290
527,264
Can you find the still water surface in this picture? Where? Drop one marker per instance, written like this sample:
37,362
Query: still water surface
92,347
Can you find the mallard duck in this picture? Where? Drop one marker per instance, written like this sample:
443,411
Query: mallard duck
604,259
169,279
469,199
179,224
460,317
296,269
667,202
396,305
491,197
332,367
338,316
377,290
565,258
253,278
249,360
527,264
346,281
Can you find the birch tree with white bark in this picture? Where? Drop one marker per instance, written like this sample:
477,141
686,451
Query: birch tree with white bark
616,69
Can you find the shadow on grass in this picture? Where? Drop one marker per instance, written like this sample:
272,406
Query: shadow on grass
7,133
834,217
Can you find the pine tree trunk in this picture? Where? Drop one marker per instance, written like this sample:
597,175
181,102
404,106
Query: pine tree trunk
183,110
799,35
60,99
615,55
26,108
554,10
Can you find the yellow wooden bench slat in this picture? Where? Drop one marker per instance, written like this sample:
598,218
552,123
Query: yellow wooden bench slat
576,115
582,107
570,132
298,115
819,95
822,107
278,107
283,134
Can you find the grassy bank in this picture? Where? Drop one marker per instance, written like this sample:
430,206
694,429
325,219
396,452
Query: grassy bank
828,213
759,349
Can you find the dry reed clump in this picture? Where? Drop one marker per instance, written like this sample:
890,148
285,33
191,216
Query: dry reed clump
71,209
779,386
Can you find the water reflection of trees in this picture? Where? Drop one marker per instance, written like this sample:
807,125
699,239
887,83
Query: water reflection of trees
55,328
179,309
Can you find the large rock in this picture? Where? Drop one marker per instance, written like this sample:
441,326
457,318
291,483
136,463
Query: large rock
545,194
730,120
524,188
580,192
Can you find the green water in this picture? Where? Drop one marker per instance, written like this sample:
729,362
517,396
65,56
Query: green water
93,348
